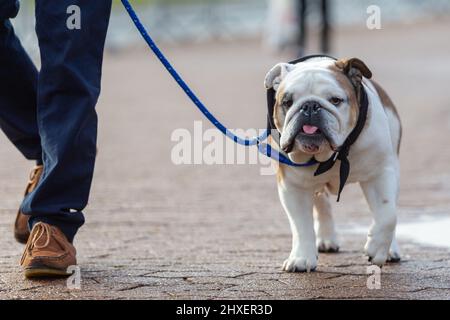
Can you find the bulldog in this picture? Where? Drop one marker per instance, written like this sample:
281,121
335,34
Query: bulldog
317,106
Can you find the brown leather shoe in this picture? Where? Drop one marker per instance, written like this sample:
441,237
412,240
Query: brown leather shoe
48,253
21,232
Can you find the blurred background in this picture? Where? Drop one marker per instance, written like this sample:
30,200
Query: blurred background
275,21
146,213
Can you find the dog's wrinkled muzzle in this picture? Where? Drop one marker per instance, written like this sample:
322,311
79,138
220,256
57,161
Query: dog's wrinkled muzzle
290,132
306,119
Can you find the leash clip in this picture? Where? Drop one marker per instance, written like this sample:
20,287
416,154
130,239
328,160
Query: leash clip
336,155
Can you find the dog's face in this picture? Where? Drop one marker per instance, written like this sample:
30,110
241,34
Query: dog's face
316,104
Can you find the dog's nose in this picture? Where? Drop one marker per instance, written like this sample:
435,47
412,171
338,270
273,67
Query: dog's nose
310,107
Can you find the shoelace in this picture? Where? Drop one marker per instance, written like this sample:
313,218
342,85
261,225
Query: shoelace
33,178
34,174
39,230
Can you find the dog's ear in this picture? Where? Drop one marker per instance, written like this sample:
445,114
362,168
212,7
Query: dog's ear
355,69
277,74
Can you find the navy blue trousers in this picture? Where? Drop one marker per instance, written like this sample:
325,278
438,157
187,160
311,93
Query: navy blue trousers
49,115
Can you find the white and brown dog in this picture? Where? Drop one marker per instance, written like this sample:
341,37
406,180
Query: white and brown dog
316,108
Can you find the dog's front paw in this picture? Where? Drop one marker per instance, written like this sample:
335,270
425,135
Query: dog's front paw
300,264
377,248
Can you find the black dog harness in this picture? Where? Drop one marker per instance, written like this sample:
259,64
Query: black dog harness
342,152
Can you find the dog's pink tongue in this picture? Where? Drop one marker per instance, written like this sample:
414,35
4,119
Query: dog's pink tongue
310,129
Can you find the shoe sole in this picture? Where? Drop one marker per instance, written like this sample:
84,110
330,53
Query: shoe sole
45,272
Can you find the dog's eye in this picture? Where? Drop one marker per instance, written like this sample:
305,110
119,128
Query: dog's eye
288,103
336,101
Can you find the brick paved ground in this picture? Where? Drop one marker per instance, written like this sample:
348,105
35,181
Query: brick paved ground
155,230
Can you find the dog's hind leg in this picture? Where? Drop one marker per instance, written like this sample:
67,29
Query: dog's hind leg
326,238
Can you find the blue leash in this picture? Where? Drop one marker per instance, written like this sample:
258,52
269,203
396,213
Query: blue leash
262,147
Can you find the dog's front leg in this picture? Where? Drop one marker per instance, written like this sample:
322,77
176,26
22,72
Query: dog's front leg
298,205
381,194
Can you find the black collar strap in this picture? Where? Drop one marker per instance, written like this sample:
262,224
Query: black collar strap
343,151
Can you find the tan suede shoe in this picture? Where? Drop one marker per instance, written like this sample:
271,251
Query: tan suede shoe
21,232
48,253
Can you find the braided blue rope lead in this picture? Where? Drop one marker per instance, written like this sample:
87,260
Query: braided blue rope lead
263,148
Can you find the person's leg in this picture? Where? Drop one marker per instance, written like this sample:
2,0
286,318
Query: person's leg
301,43
68,89
18,88
325,42
18,94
